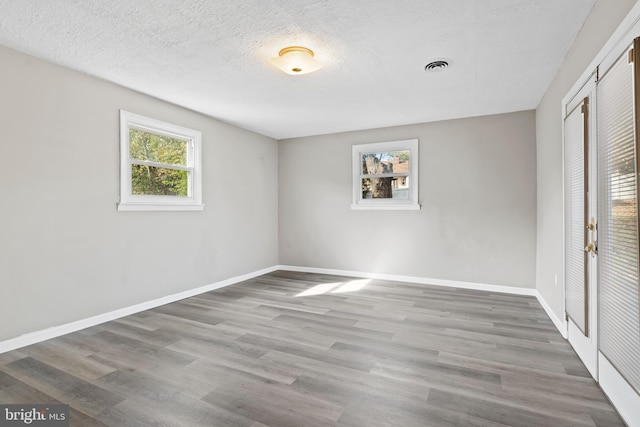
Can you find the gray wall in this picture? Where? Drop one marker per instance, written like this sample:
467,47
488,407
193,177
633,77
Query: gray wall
478,195
601,23
65,252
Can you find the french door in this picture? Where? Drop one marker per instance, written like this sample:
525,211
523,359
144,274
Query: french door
602,260
580,157
618,93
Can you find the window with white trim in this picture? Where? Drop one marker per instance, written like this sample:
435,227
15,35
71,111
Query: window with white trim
385,175
160,165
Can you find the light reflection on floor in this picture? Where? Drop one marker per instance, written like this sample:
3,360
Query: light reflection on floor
335,288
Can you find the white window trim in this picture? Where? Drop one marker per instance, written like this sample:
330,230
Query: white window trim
411,203
134,202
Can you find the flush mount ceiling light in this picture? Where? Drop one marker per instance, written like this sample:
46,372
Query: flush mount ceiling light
437,66
296,60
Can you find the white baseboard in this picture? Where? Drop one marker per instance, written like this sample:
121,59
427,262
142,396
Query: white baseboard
622,395
561,324
56,331
413,279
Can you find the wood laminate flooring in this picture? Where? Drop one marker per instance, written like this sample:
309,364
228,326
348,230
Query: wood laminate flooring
297,349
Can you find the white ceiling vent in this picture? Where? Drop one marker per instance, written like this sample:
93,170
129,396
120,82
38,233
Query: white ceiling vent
437,66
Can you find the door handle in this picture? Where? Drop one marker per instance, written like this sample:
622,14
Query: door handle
592,246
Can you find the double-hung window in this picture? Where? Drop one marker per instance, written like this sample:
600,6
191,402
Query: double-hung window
385,175
160,165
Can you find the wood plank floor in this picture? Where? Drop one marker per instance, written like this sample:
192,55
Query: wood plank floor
297,349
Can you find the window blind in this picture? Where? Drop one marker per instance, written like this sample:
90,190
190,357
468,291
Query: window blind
574,199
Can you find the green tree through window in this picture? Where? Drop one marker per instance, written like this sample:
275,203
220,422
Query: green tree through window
154,179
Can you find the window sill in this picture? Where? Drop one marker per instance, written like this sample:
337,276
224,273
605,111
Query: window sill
386,207
158,207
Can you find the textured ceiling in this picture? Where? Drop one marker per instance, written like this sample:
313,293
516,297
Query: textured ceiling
214,56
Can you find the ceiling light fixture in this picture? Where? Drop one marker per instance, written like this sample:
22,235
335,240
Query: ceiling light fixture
296,60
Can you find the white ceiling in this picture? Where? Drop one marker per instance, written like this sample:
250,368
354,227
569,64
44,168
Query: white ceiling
214,56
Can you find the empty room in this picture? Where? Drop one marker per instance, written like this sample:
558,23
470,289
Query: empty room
320,213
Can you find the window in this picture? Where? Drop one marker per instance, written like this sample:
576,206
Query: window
160,166
385,175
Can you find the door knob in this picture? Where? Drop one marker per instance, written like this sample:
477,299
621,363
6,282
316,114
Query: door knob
591,247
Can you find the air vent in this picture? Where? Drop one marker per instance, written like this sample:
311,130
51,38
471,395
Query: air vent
436,66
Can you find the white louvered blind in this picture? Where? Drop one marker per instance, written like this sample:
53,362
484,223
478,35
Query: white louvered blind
574,181
617,228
